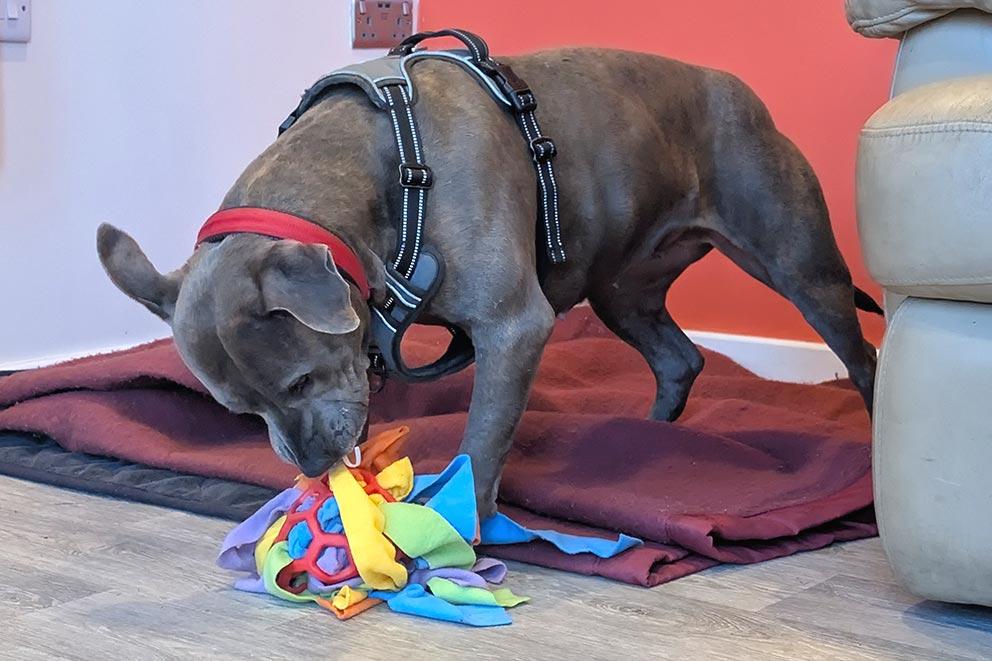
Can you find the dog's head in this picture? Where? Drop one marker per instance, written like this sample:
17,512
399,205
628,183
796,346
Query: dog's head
271,328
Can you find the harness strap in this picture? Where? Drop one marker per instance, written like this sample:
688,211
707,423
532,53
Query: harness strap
523,103
543,150
415,178
477,46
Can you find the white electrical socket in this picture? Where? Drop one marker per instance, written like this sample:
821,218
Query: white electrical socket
380,23
15,20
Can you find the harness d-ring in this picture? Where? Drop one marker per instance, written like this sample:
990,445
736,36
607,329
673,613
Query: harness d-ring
357,460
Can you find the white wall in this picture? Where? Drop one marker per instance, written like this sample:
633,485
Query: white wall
141,114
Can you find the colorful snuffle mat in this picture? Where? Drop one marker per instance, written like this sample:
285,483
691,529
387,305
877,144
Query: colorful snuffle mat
376,533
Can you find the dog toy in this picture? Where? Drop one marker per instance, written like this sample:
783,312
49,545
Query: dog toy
372,532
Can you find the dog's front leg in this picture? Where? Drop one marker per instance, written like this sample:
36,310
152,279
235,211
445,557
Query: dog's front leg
507,353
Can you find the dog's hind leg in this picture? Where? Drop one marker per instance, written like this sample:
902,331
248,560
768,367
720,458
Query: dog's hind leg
774,224
824,297
635,311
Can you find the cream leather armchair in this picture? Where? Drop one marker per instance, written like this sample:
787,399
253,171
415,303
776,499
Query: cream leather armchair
924,190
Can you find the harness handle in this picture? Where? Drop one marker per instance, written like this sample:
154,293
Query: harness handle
475,44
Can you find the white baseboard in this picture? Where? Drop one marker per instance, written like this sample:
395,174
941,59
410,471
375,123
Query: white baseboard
781,360
773,358
44,361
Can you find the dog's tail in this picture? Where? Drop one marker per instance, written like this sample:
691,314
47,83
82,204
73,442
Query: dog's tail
863,301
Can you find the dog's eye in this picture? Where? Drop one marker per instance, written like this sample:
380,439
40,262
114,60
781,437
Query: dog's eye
299,385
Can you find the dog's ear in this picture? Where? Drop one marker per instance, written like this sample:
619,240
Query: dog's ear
130,270
301,279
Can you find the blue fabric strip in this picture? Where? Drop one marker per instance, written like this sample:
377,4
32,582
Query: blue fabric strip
415,600
501,529
298,540
450,493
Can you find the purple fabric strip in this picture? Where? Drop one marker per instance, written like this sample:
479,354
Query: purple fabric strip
462,577
250,584
322,588
485,570
491,569
237,553
332,560
256,584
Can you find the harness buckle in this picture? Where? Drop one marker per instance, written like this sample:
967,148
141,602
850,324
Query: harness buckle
416,175
543,149
515,89
522,100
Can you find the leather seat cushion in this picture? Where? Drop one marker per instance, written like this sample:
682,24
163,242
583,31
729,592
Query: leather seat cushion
925,191
890,18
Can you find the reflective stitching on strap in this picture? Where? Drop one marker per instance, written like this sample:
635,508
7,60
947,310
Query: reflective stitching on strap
420,224
471,43
401,146
422,194
384,320
403,231
555,239
399,284
537,129
400,295
554,197
396,124
540,181
554,201
413,127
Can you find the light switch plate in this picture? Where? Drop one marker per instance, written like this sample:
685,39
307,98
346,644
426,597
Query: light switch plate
380,23
15,20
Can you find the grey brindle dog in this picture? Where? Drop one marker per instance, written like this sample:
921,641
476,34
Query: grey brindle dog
659,163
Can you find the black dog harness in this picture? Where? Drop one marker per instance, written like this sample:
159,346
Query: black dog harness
416,271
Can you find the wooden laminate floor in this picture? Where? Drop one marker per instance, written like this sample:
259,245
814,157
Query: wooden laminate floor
84,577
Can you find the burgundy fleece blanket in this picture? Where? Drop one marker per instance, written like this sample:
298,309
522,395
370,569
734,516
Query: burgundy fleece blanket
753,470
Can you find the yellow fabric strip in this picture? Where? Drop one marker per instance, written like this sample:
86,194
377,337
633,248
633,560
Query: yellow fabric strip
397,478
347,597
266,542
374,555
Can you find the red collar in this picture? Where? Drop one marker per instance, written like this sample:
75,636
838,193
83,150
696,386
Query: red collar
285,226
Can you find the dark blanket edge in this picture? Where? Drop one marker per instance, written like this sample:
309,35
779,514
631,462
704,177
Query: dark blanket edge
92,474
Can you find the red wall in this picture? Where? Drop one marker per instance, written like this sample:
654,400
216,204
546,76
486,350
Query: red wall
820,80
